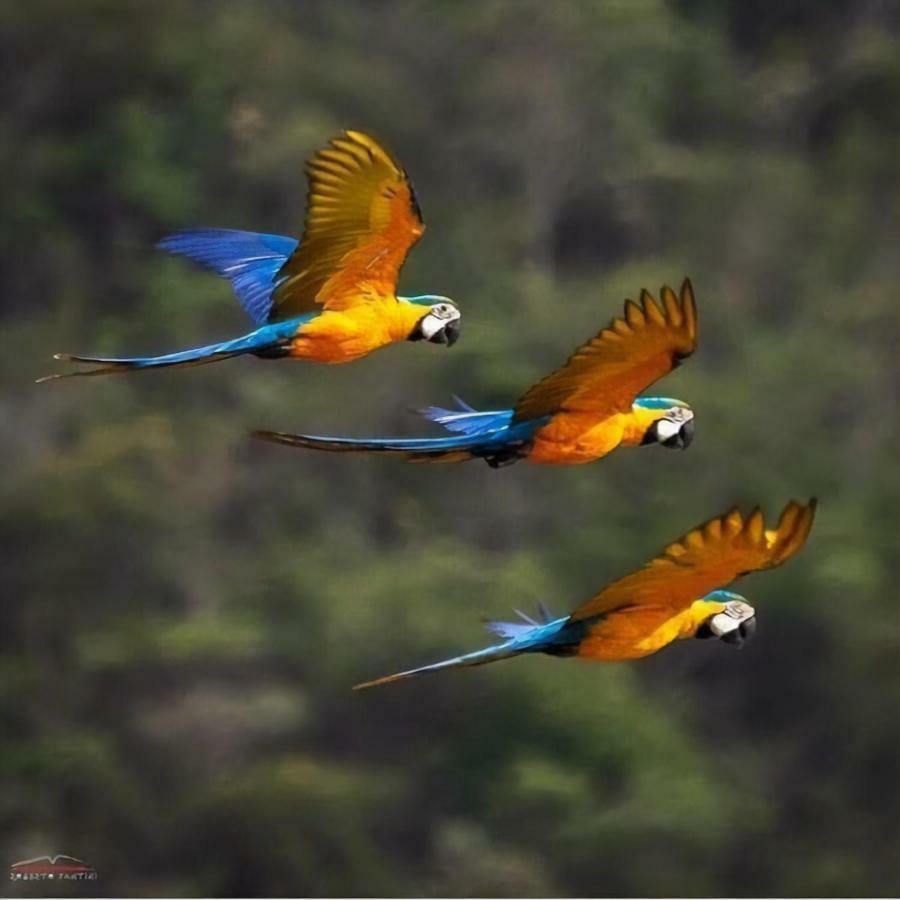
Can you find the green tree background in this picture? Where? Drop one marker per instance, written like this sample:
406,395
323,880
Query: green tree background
184,612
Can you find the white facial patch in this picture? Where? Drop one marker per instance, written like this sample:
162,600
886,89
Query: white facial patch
665,429
730,619
430,326
669,426
438,317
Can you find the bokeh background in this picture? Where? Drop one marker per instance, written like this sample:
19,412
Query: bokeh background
184,611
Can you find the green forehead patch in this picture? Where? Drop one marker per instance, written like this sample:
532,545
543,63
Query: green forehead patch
428,300
659,403
724,596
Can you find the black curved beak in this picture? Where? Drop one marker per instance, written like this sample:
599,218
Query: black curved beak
681,440
448,335
741,635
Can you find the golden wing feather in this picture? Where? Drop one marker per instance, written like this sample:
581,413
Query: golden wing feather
707,558
362,218
607,373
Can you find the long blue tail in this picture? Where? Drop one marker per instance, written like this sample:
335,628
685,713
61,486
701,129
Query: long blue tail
528,636
434,450
478,658
250,261
267,338
490,436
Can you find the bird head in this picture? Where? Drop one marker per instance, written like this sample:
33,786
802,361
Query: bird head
735,624
439,322
672,425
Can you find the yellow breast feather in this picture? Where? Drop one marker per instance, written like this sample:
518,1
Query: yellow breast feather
344,335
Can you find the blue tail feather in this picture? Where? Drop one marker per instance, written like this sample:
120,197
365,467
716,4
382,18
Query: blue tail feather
555,637
478,658
249,260
508,629
491,436
529,631
265,338
467,420
449,449
497,446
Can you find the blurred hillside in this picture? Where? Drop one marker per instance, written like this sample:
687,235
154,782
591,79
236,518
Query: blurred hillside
184,612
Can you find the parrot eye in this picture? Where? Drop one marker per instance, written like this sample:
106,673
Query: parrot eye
440,325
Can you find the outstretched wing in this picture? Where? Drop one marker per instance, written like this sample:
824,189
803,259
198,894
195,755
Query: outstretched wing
361,220
607,373
707,558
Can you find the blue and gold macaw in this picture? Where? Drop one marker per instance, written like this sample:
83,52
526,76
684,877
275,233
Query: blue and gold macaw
331,297
578,414
676,595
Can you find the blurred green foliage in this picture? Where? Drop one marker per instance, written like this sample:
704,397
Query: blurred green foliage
184,612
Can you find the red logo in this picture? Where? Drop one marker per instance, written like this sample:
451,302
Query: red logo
52,868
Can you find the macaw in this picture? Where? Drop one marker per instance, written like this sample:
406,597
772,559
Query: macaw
676,595
578,414
329,297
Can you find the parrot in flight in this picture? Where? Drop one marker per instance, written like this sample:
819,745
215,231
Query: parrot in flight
676,595
578,414
330,297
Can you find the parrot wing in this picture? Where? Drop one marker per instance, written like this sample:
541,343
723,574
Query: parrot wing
362,218
606,374
709,557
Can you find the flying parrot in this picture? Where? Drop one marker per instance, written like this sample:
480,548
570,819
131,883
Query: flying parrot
329,297
578,414
676,595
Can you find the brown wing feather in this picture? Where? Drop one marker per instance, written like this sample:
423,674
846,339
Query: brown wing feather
609,371
362,218
707,558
